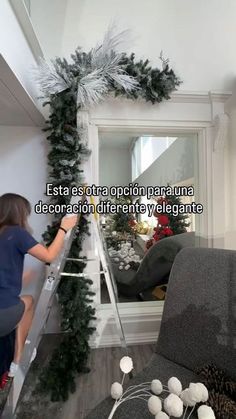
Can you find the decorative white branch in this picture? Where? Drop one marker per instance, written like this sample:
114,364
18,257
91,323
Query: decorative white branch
95,78
151,392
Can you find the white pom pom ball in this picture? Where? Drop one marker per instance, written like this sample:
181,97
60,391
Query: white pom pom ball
126,364
127,267
195,392
116,259
174,386
154,405
162,415
156,387
121,267
185,397
116,391
173,406
205,394
205,412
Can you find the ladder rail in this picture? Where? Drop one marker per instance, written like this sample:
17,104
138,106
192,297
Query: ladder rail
110,281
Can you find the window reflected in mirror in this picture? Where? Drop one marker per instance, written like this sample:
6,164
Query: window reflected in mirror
141,247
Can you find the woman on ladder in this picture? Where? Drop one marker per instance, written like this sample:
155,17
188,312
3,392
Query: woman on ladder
16,311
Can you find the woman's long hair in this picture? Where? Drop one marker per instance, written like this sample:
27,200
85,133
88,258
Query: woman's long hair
14,210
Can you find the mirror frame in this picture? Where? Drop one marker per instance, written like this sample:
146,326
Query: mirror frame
185,113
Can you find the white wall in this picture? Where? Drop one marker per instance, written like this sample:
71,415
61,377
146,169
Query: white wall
15,48
197,36
114,166
48,20
23,170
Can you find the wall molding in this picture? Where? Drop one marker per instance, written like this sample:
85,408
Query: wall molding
113,340
31,115
141,323
25,22
221,127
187,96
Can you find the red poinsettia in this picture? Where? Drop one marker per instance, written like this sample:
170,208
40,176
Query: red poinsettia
167,231
156,236
163,220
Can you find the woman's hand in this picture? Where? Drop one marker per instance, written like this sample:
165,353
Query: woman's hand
69,222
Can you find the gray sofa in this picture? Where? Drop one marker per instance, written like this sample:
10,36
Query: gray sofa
155,267
198,325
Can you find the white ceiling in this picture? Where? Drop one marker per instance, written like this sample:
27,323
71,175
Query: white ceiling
11,111
16,106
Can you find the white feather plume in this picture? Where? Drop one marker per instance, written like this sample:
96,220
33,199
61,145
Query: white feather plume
105,58
104,69
110,43
48,78
91,89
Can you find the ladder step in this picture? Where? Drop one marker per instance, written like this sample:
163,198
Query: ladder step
81,275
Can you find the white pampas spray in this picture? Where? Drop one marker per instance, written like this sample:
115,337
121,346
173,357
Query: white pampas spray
49,80
94,78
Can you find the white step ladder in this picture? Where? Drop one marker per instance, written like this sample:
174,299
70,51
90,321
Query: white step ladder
54,272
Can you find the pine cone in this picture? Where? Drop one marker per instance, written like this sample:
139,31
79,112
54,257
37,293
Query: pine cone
223,406
217,380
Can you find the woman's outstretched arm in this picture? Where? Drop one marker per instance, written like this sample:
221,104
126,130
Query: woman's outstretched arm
48,254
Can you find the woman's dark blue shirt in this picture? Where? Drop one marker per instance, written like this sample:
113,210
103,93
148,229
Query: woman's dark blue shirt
15,242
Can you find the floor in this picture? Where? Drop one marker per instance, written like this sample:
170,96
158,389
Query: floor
33,406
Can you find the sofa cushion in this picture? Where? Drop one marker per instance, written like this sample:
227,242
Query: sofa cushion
155,266
199,319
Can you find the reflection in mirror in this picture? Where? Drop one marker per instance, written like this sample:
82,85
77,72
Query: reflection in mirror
27,5
141,247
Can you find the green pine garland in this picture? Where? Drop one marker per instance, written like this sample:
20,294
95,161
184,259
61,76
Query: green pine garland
156,85
75,298
122,222
177,223
66,154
